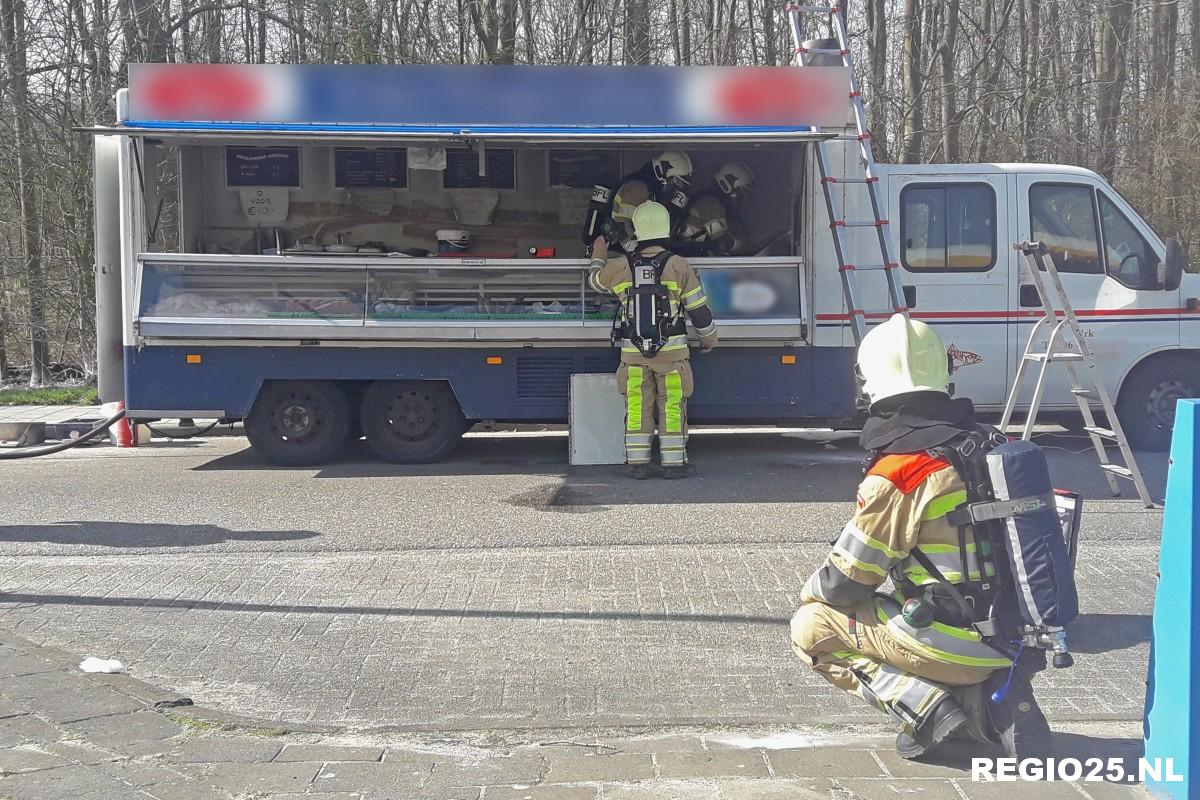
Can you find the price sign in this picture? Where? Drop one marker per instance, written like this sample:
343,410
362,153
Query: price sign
379,168
262,166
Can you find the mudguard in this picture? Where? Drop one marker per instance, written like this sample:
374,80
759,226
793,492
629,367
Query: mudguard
1037,551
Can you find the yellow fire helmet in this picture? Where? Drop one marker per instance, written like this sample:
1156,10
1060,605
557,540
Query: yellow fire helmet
902,356
651,221
629,196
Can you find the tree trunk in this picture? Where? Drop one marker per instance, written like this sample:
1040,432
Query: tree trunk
12,39
1164,35
947,51
637,32
1112,41
913,79
877,116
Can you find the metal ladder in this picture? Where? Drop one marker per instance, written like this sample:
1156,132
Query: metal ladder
1061,320
840,227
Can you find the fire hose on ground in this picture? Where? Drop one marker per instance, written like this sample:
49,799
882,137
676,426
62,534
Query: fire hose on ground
33,452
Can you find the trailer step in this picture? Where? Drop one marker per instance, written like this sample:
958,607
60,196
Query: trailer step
1083,393
1098,431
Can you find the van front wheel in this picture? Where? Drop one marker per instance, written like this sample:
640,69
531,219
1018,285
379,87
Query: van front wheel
1146,406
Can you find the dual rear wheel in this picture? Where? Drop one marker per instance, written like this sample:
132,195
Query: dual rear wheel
305,423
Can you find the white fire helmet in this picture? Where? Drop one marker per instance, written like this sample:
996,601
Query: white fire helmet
902,356
733,178
651,221
672,164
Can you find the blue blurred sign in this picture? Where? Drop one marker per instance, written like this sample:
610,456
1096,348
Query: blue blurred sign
487,97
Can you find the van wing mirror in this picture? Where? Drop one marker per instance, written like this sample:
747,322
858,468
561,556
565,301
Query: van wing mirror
1172,274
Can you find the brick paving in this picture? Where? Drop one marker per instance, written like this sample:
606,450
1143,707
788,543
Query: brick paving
553,637
126,739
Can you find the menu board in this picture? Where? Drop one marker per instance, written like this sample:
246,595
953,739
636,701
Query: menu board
583,169
462,170
379,167
262,166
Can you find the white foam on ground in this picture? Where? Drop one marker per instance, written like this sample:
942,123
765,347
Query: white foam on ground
790,740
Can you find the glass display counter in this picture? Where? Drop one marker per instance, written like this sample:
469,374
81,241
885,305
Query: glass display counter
313,297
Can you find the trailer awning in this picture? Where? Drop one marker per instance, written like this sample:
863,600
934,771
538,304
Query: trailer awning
522,103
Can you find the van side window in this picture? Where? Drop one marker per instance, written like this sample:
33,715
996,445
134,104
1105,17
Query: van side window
1063,217
1128,257
948,227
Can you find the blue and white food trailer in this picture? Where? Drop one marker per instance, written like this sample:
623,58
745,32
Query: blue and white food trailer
268,249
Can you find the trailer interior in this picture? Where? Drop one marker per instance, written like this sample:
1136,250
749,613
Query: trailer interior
252,237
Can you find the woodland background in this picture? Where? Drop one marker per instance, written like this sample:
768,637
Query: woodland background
1113,85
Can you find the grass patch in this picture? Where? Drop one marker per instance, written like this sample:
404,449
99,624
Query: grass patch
53,396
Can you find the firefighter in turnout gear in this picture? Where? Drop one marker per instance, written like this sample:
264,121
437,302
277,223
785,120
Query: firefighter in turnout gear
656,290
908,658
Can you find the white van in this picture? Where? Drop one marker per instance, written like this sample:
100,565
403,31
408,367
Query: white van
954,227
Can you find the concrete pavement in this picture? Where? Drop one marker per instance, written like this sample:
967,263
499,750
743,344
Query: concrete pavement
501,591
71,736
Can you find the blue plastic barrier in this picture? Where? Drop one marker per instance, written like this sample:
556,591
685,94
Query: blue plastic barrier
1172,717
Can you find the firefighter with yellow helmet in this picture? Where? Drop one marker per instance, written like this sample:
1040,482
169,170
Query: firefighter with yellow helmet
908,654
657,291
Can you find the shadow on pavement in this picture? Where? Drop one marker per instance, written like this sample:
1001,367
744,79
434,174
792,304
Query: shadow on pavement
753,467
136,534
1104,633
184,604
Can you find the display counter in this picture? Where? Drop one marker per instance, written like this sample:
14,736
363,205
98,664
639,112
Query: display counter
434,298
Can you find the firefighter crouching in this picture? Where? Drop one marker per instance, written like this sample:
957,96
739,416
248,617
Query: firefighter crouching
656,290
909,661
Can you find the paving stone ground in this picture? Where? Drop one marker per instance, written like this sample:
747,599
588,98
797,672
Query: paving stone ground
123,739
552,637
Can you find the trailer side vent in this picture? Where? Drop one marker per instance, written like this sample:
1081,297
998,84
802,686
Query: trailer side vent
543,377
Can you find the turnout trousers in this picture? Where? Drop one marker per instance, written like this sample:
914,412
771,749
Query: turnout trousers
662,386
869,651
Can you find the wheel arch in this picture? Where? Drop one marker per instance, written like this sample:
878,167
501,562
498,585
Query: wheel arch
1154,356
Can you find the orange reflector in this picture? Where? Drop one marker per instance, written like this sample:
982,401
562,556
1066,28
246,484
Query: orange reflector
495,360
193,358
788,359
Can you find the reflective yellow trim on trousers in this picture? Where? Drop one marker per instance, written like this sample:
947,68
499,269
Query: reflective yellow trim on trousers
674,405
941,506
972,651
633,398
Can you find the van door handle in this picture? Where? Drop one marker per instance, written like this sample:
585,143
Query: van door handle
1029,297
910,296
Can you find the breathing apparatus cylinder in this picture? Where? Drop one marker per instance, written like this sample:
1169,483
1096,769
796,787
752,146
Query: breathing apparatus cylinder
596,221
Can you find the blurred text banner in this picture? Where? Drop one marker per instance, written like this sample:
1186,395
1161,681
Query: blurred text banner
479,98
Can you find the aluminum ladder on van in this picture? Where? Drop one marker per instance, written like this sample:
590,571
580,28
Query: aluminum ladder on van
1059,317
840,227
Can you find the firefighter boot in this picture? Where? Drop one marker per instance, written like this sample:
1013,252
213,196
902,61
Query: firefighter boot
1017,723
942,722
639,472
676,471
974,702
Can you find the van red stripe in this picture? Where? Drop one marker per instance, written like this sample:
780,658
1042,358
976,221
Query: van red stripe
1029,314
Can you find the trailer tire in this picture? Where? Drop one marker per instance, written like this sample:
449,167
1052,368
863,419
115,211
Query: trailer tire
1146,405
298,423
412,422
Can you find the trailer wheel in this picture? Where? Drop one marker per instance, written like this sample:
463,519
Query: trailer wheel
298,423
1146,406
412,422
